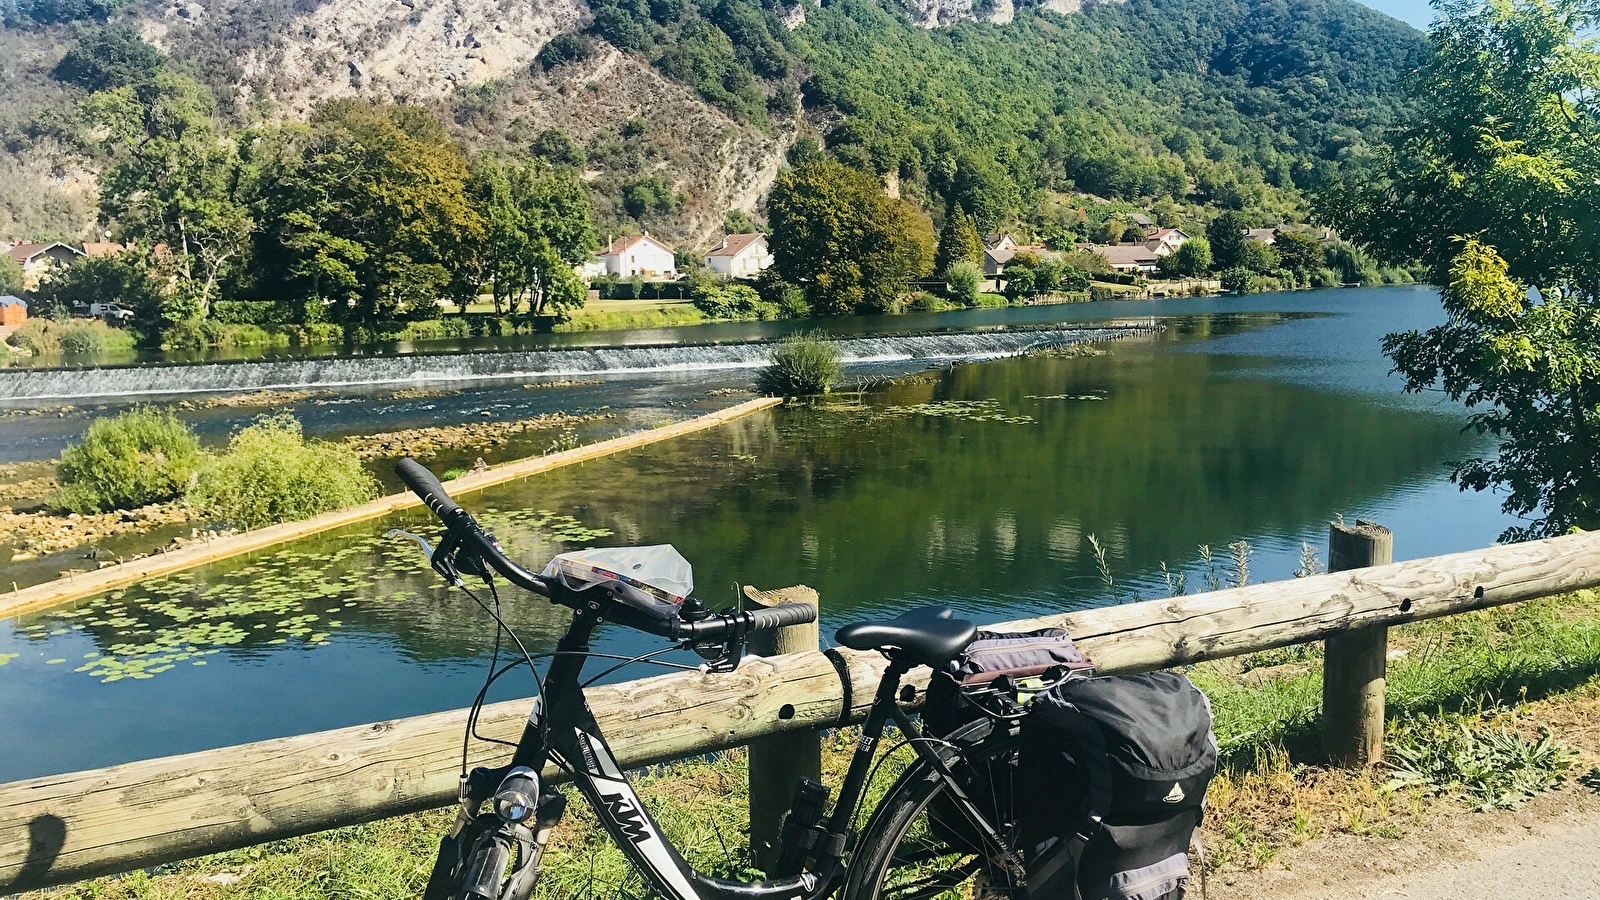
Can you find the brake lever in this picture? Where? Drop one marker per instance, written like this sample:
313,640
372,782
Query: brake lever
427,549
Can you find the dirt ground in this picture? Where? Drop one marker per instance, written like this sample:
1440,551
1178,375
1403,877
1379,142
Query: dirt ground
1549,849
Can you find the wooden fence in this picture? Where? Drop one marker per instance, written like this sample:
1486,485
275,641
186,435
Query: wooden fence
68,827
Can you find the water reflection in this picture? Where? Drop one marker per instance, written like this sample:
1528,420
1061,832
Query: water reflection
976,486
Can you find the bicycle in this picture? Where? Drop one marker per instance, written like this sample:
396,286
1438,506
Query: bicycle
946,822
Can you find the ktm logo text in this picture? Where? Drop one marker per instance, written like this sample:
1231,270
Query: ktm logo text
627,818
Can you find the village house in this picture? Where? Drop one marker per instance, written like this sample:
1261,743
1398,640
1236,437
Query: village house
13,310
97,249
1003,248
1001,241
1165,241
37,260
640,255
1268,236
1136,259
740,256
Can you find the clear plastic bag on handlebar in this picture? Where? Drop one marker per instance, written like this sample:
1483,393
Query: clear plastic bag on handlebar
654,579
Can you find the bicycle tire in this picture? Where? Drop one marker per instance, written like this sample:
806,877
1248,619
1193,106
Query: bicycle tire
933,867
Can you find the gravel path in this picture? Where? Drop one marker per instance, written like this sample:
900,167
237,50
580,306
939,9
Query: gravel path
1562,865
1547,850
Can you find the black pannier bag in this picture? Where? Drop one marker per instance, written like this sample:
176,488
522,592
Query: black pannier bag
1117,769
991,672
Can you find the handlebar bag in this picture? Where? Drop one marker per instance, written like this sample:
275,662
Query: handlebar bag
654,580
1117,769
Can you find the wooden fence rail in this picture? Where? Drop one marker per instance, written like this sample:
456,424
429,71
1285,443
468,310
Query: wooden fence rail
67,827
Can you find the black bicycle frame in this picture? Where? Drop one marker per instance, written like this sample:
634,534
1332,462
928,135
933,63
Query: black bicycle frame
562,724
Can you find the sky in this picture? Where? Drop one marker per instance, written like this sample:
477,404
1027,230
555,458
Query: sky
1416,12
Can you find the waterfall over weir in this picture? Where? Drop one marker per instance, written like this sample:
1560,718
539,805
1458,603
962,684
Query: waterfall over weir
24,385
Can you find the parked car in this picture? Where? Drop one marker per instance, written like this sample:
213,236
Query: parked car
111,312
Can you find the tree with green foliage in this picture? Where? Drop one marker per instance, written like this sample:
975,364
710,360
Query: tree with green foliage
10,276
557,148
650,197
109,58
847,244
538,225
1495,187
174,183
1226,235
361,211
270,473
1257,256
132,278
958,241
562,49
804,150
135,458
963,282
1193,257
1300,252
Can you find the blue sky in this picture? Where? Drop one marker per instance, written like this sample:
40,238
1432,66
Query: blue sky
1417,12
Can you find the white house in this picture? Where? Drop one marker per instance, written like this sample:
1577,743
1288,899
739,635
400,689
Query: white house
1165,241
592,268
1133,258
641,255
740,256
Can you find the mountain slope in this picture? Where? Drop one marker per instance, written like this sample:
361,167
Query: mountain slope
1016,108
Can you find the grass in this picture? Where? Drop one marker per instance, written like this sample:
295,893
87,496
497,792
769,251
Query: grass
1473,698
607,315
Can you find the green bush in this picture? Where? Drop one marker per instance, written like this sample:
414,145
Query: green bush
1324,278
801,364
36,336
733,301
924,301
141,456
964,282
270,473
83,339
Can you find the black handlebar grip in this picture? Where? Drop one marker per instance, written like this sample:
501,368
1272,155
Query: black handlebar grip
781,615
423,483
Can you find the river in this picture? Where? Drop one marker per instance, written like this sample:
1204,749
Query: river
1253,419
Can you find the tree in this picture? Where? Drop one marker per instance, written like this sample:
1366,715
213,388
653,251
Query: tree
555,147
1495,187
1258,257
1300,252
174,184
962,281
1226,236
131,278
1192,257
1236,279
109,58
847,244
538,225
958,241
362,211
10,276
562,49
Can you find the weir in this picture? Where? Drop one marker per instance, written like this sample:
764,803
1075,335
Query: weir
26,385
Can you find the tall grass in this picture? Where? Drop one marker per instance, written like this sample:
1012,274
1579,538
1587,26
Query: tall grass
801,365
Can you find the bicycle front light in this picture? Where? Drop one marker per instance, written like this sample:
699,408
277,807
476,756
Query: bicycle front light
517,797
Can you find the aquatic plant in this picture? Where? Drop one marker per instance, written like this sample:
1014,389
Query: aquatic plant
801,365
135,458
270,473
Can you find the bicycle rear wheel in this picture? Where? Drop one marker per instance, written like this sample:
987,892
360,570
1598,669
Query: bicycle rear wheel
919,846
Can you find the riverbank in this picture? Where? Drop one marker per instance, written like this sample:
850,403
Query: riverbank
1527,671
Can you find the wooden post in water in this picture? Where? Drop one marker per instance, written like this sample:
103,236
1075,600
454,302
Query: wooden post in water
1354,665
778,761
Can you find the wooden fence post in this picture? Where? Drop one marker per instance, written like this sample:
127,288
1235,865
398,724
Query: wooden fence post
778,761
1354,664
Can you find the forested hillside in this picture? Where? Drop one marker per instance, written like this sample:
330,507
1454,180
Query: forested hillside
678,112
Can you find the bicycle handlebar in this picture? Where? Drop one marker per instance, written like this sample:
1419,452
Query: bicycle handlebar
460,525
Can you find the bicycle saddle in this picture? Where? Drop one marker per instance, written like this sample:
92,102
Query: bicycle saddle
928,636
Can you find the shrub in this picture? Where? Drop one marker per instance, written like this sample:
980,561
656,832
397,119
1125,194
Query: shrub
924,301
963,279
801,364
36,336
1236,279
562,49
734,301
270,473
141,456
83,339
1324,278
